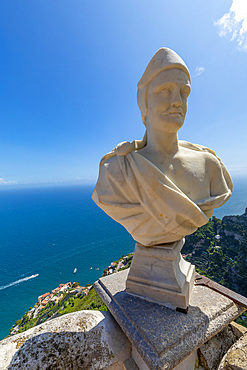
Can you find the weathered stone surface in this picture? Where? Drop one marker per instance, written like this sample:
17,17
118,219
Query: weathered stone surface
164,337
80,340
236,357
190,363
213,350
130,365
238,330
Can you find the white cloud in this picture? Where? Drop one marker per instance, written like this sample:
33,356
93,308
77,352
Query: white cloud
236,167
235,23
237,170
199,71
5,182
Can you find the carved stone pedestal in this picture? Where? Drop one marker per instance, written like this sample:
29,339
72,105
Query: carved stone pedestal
160,274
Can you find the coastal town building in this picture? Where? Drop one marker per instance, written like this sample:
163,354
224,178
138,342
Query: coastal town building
55,296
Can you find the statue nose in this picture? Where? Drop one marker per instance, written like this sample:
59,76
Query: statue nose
177,100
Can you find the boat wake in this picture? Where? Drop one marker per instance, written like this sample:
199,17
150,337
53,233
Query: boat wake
18,281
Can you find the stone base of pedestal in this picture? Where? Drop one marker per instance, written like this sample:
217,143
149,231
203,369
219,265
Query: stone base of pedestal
162,337
160,274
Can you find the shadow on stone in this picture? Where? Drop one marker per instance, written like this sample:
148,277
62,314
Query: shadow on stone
81,340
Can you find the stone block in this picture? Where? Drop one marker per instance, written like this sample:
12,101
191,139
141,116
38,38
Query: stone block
236,357
79,340
164,337
213,350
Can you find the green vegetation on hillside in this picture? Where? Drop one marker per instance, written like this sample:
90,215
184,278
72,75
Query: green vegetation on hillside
91,301
69,303
219,251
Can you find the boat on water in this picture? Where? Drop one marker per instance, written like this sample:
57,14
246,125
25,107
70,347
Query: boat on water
75,270
97,269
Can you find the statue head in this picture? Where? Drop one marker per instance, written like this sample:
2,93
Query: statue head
166,66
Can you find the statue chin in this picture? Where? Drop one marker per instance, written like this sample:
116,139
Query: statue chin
166,125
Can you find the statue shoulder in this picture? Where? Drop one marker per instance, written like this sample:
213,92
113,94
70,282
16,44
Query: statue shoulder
209,154
213,160
125,148
121,149
110,165
196,147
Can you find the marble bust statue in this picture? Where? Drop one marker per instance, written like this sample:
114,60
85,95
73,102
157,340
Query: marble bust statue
160,188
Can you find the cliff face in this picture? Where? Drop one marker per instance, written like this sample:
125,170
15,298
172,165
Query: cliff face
219,250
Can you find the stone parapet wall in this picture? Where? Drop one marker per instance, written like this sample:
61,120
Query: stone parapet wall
80,340
93,340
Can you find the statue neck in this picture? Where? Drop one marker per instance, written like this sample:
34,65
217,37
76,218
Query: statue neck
162,142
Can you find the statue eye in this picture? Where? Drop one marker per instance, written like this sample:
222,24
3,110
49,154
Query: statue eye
165,92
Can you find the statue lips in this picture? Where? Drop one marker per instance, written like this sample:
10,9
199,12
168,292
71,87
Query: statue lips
174,112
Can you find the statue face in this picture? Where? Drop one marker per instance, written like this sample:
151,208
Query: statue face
167,100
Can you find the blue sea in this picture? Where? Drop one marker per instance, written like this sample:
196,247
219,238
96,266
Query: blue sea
45,233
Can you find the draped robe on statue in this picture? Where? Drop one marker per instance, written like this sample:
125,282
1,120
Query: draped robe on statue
152,217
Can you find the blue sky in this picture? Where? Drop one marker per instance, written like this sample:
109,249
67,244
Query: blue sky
69,71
